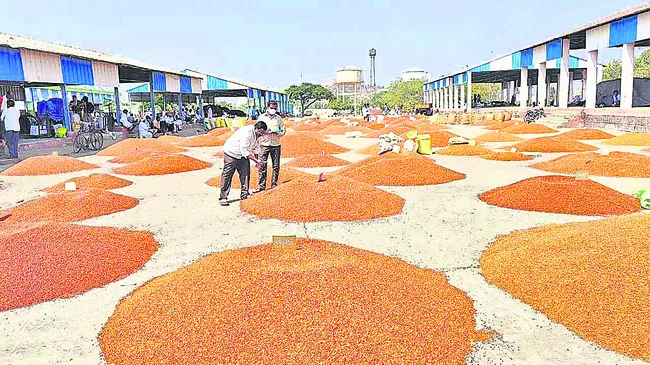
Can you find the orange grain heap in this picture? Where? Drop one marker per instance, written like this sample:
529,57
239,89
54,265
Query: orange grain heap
376,126
171,139
497,126
94,181
70,206
552,144
309,127
562,194
287,174
398,130
136,155
336,199
216,132
325,303
586,134
393,169
528,129
498,137
592,277
204,140
630,139
309,161
618,164
131,144
47,165
464,150
339,130
58,260
162,165
440,138
373,149
295,145
506,156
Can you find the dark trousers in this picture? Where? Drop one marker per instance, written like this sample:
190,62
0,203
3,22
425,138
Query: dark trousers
12,143
275,153
243,168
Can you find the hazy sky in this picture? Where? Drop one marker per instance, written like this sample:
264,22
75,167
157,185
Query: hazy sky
273,42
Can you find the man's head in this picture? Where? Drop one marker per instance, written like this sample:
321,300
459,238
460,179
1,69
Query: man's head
615,92
74,97
272,107
149,118
260,129
11,103
10,94
84,99
125,111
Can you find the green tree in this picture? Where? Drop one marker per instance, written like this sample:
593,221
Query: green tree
642,64
338,104
307,94
612,70
488,92
404,94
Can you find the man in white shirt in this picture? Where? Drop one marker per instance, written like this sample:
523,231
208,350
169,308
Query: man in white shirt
238,151
270,143
144,128
124,120
11,119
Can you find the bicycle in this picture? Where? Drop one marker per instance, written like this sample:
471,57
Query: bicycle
89,137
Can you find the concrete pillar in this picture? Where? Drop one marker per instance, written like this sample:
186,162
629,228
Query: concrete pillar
151,98
462,97
470,96
542,85
563,87
454,97
444,97
592,79
118,112
583,85
548,90
599,74
571,76
523,89
627,76
67,121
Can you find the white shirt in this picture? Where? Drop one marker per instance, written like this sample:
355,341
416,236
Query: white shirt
143,129
11,117
242,143
274,123
124,120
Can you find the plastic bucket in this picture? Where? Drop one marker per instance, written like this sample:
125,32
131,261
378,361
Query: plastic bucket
424,144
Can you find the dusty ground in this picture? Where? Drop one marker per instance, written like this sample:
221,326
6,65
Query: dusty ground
443,227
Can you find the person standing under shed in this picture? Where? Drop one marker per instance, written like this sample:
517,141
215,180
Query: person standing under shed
238,151
11,120
270,144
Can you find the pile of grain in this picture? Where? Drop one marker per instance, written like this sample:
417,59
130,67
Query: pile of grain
58,260
586,134
506,156
136,155
47,165
393,169
562,194
70,206
464,150
618,164
440,138
372,149
336,130
216,132
497,126
94,181
398,130
325,303
131,144
630,139
171,139
309,127
336,199
162,165
287,174
376,126
295,145
429,127
204,140
592,277
498,137
308,161
528,129
552,144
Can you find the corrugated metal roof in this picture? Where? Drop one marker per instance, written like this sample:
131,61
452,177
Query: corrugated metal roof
21,42
239,82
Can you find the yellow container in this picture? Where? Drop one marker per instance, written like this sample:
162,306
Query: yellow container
240,122
412,134
220,122
424,144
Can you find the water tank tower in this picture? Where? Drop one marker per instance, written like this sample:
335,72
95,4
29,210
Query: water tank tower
414,74
348,82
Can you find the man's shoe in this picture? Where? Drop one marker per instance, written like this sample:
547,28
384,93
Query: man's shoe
244,197
223,202
258,191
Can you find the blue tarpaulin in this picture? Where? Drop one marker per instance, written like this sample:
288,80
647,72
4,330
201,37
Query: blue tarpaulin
53,108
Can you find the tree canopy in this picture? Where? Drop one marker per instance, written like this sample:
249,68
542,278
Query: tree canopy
338,104
307,94
613,69
401,93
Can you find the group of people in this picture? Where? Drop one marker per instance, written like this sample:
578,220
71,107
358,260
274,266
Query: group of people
9,124
148,128
253,143
84,108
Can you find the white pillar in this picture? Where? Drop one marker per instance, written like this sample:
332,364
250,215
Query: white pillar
563,87
451,93
584,85
542,88
627,76
470,96
437,97
599,74
444,97
462,96
592,79
455,97
523,89
571,85
548,90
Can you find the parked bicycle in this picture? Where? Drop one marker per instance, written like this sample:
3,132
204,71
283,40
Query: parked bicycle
533,115
89,137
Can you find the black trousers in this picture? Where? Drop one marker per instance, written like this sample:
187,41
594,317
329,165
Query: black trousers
243,168
275,152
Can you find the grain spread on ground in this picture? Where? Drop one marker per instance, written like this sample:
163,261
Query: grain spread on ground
218,131
630,139
204,140
592,277
47,165
373,149
70,206
496,126
398,130
586,134
309,127
94,181
136,155
562,194
59,260
376,126
309,161
428,127
506,156
323,303
162,165
171,139
393,169
287,174
440,138
552,144
484,123
617,164
336,199
528,129
498,137
131,144
295,145
464,150
335,130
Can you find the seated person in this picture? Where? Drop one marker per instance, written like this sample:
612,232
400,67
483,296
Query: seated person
144,128
126,123
616,99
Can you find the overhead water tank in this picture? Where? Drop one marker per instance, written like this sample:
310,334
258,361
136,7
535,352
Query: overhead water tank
349,75
414,74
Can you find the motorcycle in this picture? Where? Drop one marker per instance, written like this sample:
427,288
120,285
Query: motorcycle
533,115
